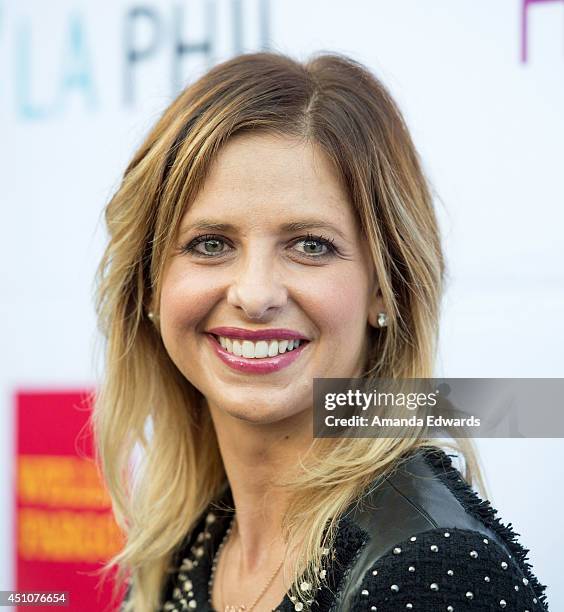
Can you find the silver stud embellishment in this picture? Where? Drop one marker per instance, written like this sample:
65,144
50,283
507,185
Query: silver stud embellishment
411,568
373,609
305,586
374,572
394,588
299,606
486,578
450,572
469,595
409,606
397,550
447,534
434,586
186,564
412,539
450,609
434,548
365,593
525,581
502,603
473,554
485,541
503,565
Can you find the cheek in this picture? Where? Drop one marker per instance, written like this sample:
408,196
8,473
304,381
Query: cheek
185,301
338,302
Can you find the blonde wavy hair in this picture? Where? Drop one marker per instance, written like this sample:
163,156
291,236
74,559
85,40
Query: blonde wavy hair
144,403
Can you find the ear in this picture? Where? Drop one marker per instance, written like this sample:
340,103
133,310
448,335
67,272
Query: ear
375,304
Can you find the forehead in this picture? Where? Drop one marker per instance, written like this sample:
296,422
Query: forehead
265,178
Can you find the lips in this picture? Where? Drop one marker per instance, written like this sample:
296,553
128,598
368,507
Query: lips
259,334
254,365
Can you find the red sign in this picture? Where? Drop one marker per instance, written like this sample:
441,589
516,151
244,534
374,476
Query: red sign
65,528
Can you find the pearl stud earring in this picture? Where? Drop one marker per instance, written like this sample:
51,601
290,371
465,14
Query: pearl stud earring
382,319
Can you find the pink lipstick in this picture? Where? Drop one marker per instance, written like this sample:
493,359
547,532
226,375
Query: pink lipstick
262,365
258,334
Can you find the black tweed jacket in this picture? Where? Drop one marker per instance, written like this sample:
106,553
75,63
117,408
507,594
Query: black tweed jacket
419,539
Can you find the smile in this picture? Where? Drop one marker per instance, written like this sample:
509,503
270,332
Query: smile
258,357
258,350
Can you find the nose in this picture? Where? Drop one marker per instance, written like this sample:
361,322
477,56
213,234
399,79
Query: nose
256,288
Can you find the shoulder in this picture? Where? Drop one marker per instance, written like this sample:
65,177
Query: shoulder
402,520
454,569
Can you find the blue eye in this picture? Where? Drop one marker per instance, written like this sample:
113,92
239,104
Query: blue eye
317,246
213,246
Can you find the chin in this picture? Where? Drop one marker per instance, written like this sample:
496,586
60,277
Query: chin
259,411
262,414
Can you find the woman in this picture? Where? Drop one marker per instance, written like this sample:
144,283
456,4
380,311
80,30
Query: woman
276,227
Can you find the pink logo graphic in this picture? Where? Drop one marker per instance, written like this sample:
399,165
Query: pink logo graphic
524,24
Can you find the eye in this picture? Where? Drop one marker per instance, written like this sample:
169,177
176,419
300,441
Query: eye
207,245
214,246
316,246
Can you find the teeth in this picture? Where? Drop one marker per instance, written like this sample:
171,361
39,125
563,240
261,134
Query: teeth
273,348
248,349
259,349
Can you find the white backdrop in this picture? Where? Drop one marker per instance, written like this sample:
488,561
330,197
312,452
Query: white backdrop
81,83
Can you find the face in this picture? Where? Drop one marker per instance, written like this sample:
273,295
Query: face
268,254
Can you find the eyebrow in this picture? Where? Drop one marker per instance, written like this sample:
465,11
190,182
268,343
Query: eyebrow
209,225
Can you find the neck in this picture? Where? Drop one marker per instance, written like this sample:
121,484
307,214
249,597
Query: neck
255,456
